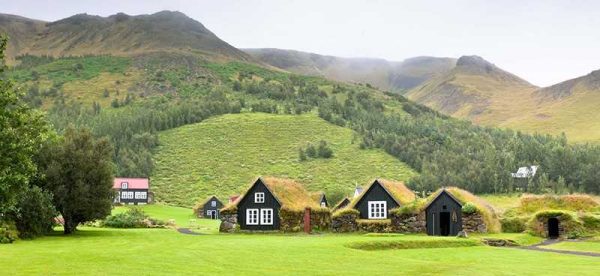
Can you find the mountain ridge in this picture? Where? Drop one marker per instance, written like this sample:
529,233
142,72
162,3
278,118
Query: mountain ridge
118,34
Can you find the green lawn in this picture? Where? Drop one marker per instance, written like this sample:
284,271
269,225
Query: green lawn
222,155
586,246
93,251
183,216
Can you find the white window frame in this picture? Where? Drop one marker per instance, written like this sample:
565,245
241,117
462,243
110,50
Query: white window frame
323,204
377,209
255,219
264,217
259,197
124,185
213,203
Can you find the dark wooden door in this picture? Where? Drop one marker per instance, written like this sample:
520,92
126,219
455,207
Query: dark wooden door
444,223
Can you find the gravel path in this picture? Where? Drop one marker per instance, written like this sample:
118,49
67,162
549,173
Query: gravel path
187,231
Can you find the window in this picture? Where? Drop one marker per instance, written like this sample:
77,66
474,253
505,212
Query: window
140,195
124,185
126,195
266,216
252,216
323,204
259,198
377,209
213,204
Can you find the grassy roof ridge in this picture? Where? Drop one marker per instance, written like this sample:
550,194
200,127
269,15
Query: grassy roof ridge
291,194
396,189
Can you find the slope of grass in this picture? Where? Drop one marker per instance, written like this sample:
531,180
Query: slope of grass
164,251
223,155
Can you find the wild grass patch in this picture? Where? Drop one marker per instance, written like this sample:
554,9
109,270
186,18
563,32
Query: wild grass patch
372,245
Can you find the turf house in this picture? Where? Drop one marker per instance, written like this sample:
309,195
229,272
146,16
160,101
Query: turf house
131,190
370,210
446,212
274,204
208,208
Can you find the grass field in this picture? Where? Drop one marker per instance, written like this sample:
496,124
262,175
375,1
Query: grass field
190,160
183,217
96,251
585,246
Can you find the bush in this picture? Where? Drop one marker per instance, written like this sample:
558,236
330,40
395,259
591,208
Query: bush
514,224
469,208
324,150
8,232
132,218
35,213
345,211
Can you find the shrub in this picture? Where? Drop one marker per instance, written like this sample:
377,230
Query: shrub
413,208
514,224
324,150
35,213
8,232
132,218
469,208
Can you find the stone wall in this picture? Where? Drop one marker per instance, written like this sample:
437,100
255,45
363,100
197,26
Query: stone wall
409,223
228,223
344,223
473,223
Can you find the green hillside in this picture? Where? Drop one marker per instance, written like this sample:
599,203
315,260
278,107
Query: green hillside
224,154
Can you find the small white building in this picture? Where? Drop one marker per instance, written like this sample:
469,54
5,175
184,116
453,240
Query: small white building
525,172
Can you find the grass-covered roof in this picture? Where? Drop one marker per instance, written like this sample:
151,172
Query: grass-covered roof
342,203
576,202
397,190
463,197
290,194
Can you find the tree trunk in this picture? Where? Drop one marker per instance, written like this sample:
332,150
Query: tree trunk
70,225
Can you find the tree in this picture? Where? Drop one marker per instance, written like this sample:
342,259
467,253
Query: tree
34,213
22,132
324,150
311,151
79,171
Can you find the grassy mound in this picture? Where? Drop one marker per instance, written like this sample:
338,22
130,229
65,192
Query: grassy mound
410,244
223,154
575,202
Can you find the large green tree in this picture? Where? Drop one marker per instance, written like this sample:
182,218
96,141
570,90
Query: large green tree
78,170
22,131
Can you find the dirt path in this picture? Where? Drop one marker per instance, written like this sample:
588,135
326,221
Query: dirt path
187,231
536,247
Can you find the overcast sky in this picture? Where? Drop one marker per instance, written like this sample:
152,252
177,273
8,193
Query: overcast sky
544,42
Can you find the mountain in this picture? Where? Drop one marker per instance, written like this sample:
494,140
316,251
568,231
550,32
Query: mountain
477,90
118,34
388,75
570,107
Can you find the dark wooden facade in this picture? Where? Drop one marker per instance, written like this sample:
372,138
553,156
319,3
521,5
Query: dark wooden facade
248,202
132,196
376,192
211,208
444,215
